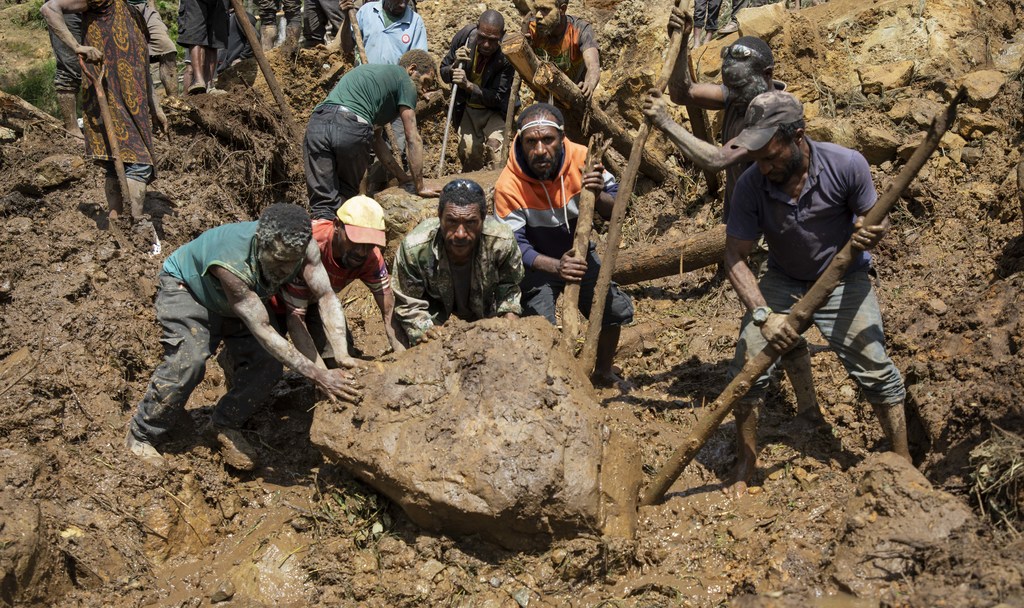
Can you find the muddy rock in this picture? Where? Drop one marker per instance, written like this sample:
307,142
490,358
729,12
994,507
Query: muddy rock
983,86
491,430
20,546
763,21
893,519
919,112
834,130
52,172
952,144
975,125
877,143
876,79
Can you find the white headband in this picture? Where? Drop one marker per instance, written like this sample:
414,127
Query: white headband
540,122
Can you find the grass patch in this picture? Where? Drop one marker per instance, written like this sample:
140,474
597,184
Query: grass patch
36,87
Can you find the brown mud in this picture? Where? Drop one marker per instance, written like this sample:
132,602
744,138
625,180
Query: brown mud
830,521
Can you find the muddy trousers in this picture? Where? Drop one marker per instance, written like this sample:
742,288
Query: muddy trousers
851,322
316,16
705,13
190,333
336,152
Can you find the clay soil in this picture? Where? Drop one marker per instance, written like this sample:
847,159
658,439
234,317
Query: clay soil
83,523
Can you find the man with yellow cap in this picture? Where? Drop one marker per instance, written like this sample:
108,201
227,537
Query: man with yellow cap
350,249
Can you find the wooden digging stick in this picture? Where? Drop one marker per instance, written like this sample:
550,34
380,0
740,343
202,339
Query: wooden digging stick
604,278
510,113
358,35
268,72
448,122
581,244
799,317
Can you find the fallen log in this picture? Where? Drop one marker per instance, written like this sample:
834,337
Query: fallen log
13,107
684,254
521,55
799,317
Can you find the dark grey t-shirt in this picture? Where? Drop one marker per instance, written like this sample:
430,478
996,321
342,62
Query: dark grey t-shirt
804,234
461,278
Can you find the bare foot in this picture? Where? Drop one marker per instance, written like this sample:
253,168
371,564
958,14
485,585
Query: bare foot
611,378
741,476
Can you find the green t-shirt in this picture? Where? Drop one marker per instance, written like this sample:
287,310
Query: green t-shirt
231,246
374,92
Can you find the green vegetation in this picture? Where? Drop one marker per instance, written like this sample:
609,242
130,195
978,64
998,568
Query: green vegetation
36,87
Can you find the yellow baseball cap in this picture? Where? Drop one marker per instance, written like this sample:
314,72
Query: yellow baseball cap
364,220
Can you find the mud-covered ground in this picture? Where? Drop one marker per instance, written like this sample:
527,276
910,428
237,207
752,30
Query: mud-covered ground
830,521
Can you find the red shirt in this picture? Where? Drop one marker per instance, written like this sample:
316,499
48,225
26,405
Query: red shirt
373,272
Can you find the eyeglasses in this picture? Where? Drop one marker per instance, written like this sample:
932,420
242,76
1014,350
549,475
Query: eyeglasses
738,51
465,185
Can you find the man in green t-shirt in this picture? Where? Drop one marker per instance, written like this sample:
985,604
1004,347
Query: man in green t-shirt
345,129
213,290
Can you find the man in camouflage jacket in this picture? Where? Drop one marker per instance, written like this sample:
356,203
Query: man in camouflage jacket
460,263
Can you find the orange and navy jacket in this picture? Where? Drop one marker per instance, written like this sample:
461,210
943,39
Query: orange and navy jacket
543,214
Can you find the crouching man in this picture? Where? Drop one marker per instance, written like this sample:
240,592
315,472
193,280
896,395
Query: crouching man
460,263
213,290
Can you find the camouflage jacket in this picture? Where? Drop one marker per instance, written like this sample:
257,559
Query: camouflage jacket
422,278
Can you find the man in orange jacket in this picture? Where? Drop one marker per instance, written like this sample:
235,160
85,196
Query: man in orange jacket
537,195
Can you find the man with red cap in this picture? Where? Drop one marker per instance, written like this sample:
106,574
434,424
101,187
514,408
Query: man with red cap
350,249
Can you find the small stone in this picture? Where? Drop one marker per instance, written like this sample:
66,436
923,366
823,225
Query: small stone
224,592
974,125
952,144
495,582
776,474
431,569
522,597
558,557
937,306
7,135
754,490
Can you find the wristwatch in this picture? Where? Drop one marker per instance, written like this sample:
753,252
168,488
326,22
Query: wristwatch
760,315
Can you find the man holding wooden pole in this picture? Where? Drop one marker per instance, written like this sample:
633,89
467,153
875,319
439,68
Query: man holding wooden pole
538,195
807,199
476,65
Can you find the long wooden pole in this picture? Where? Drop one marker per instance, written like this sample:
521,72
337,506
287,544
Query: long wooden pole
268,72
581,244
357,34
604,278
448,122
510,113
799,317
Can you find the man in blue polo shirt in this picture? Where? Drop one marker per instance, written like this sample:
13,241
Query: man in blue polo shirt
807,199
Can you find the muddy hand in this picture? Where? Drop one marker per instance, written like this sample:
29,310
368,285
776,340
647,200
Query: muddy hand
346,5
350,363
459,77
593,180
866,238
680,19
160,123
90,53
655,109
779,333
463,55
589,84
571,268
428,192
339,384
434,333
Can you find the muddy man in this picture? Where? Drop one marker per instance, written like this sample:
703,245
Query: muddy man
807,199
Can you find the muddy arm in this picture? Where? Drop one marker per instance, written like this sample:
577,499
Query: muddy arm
743,280
299,333
414,151
53,12
315,276
385,300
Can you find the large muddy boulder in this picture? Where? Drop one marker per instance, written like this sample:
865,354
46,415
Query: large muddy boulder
894,519
491,430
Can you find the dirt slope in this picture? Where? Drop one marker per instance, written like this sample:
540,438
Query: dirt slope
84,524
